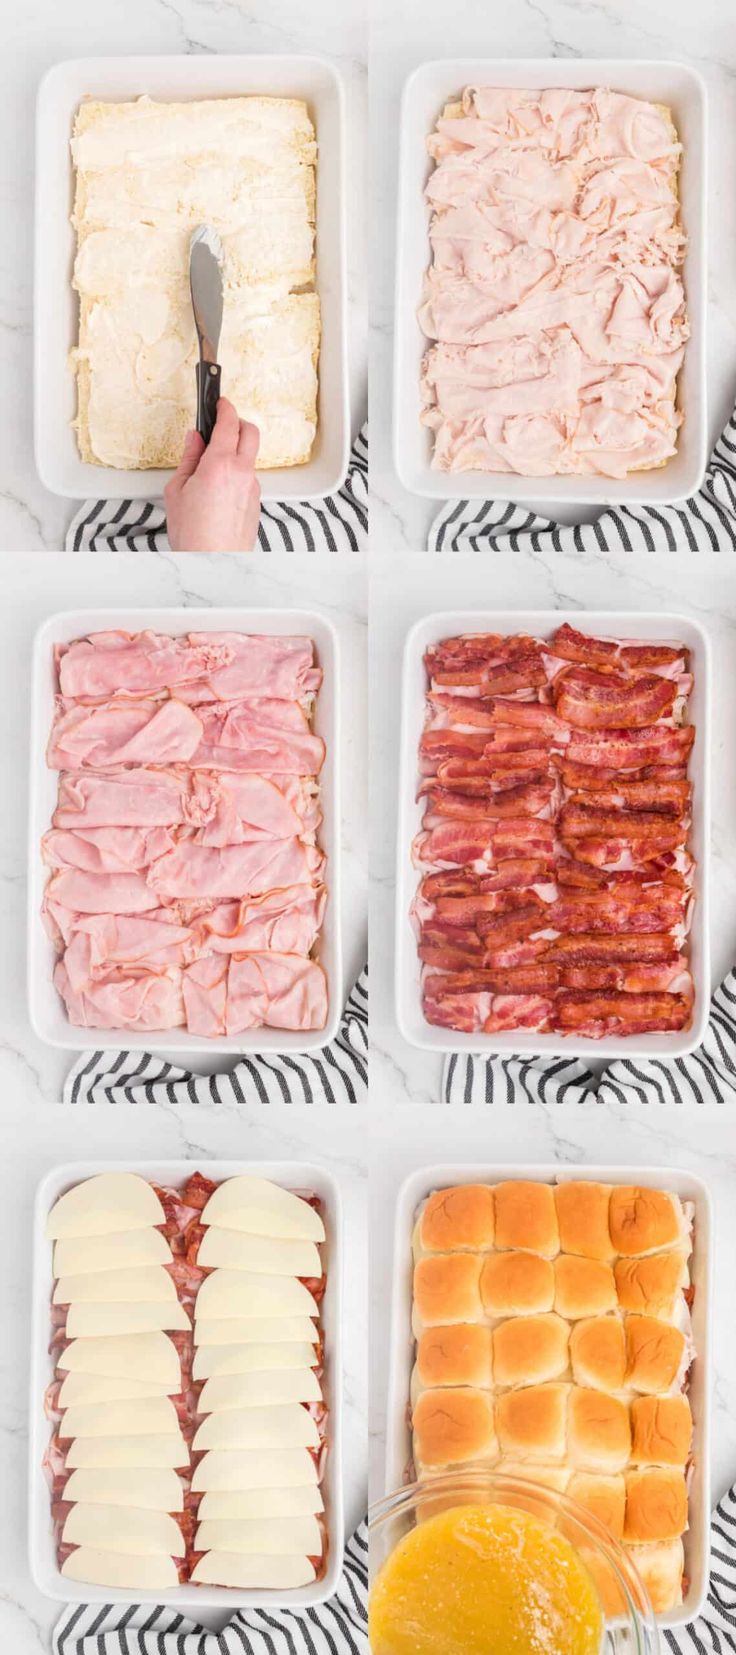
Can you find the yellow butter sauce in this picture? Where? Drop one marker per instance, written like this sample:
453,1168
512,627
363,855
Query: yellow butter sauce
484,1580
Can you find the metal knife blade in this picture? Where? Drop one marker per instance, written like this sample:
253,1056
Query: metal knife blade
205,282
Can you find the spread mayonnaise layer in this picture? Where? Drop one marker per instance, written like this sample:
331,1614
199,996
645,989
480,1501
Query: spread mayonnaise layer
147,174
554,299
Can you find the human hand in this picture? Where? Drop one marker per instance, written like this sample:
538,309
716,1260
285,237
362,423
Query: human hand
213,501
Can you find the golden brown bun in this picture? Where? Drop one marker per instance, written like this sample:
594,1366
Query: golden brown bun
643,1220
582,1215
446,1289
598,1353
526,1217
651,1285
603,1497
453,1426
654,1352
661,1430
610,1592
660,1568
459,1217
517,1284
583,1287
531,1423
458,1355
599,1433
527,1350
656,1504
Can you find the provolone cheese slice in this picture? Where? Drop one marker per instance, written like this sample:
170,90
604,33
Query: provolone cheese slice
269,1536
289,1426
262,1255
124,1249
105,1453
149,1356
260,1468
274,1574
260,1208
149,1285
241,1503
229,1293
79,1388
121,1569
127,1529
146,1416
97,1321
255,1330
259,1390
112,1201
213,1360
146,1487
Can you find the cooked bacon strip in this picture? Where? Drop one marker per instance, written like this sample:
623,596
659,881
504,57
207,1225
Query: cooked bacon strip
457,843
520,1011
665,798
508,801
669,976
517,665
592,777
630,749
596,701
655,908
588,949
670,659
500,768
461,711
596,1014
572,645
581,819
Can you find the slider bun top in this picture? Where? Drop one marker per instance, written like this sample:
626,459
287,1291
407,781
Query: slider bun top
661,1568
598,1353
531,1422
526,1217
662,1429
654,1352
446,1289
516,1284
453,1426
528,1350
458,1217
459,1355
604,1497
583,1287
651,1285
599,1433
644,1220
656,1504
582,1215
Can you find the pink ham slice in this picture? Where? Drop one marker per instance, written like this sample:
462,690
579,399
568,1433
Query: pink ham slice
227,996
100,893
105,850
234,870
120,1001
124,732
114,663
287,921
227,809
272,737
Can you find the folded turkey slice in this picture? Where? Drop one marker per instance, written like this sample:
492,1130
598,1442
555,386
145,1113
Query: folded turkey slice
262,1255
96,1321
122,1250
269,1536
166,1450
238,1569
236,1293
288,1426
241,1503
138,1417
80,1388
121,1570
147,1356
108,1203
215,1361
259,1390
151,1284
150,1488
258,1207
257,1469
124,1529
255,1330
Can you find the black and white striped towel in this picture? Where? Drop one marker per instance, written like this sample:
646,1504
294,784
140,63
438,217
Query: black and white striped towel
339,1627
704,523
337,524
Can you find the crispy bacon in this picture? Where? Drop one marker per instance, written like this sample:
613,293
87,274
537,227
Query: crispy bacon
508,801
588,948
572,645
592,700
669,658
594,777
517,664
633,979
665,798
630,749
595,1014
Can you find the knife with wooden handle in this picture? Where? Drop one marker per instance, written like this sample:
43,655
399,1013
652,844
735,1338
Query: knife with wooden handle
205,282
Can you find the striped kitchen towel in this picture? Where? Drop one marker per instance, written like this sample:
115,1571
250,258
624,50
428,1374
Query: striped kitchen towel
336,1074
339,1627
708,1075
338,524
705,523
714,1631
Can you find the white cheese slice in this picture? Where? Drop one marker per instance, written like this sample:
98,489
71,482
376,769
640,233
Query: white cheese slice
260,1468
273,1574
231,1293
255,1330
79,1388
150,1487
105,1453
98,1321
243,1503
211,1361
127,1529
289,1426
271,1536
111,1202
258,1207
149,1285
121,1570
259,1390
149,1356
148,1416
124,1249
263,1255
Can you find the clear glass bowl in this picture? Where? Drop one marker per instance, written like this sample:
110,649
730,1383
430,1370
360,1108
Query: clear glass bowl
630,1627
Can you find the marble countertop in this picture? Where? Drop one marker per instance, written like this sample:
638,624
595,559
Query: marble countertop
31,519
38,1131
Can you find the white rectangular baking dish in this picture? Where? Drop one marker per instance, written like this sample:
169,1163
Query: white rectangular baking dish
47,1012
415,1190
197,75
294,1175
411,1021
425,92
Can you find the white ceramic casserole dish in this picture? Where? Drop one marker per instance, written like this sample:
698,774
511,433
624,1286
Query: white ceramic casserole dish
425,92
299,1176
47,1012
198,75
415,1190
429,630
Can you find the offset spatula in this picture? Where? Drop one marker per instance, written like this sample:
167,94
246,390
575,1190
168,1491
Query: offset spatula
205,281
